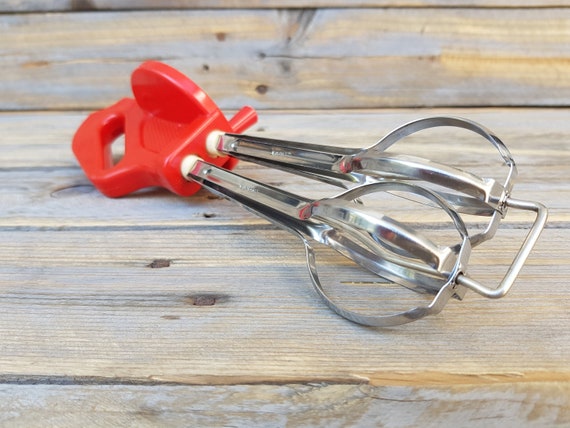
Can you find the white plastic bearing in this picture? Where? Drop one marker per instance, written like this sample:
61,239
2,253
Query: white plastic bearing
212,141
188,164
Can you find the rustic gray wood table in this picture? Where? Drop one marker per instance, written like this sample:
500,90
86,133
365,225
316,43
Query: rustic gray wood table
156,310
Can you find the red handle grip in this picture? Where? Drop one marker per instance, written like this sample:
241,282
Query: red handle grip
169,118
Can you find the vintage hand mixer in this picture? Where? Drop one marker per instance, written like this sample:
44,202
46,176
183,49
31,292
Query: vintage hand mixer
177,138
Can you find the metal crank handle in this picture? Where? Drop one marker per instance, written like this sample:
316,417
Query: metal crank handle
455,281
520,258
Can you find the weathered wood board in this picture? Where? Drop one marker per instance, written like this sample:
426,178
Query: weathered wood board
314,405
289,58
156,310
236,306
44,187
86,316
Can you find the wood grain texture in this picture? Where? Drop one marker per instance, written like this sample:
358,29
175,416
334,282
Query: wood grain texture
315,405
155,310
44,188
148,289
317,58
87,304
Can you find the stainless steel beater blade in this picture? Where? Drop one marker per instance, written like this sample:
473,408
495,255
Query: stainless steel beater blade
462,192
466,192
375,242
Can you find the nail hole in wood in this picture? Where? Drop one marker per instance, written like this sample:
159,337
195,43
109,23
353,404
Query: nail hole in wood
204,300
261,89
159,263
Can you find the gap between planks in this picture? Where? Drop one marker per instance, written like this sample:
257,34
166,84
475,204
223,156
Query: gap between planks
422,379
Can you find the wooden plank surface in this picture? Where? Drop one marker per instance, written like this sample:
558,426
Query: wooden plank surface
80,298
155,310
45,189
92,334
313,58
88,304
315,405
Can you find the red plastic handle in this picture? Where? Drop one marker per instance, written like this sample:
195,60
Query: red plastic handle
169,118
